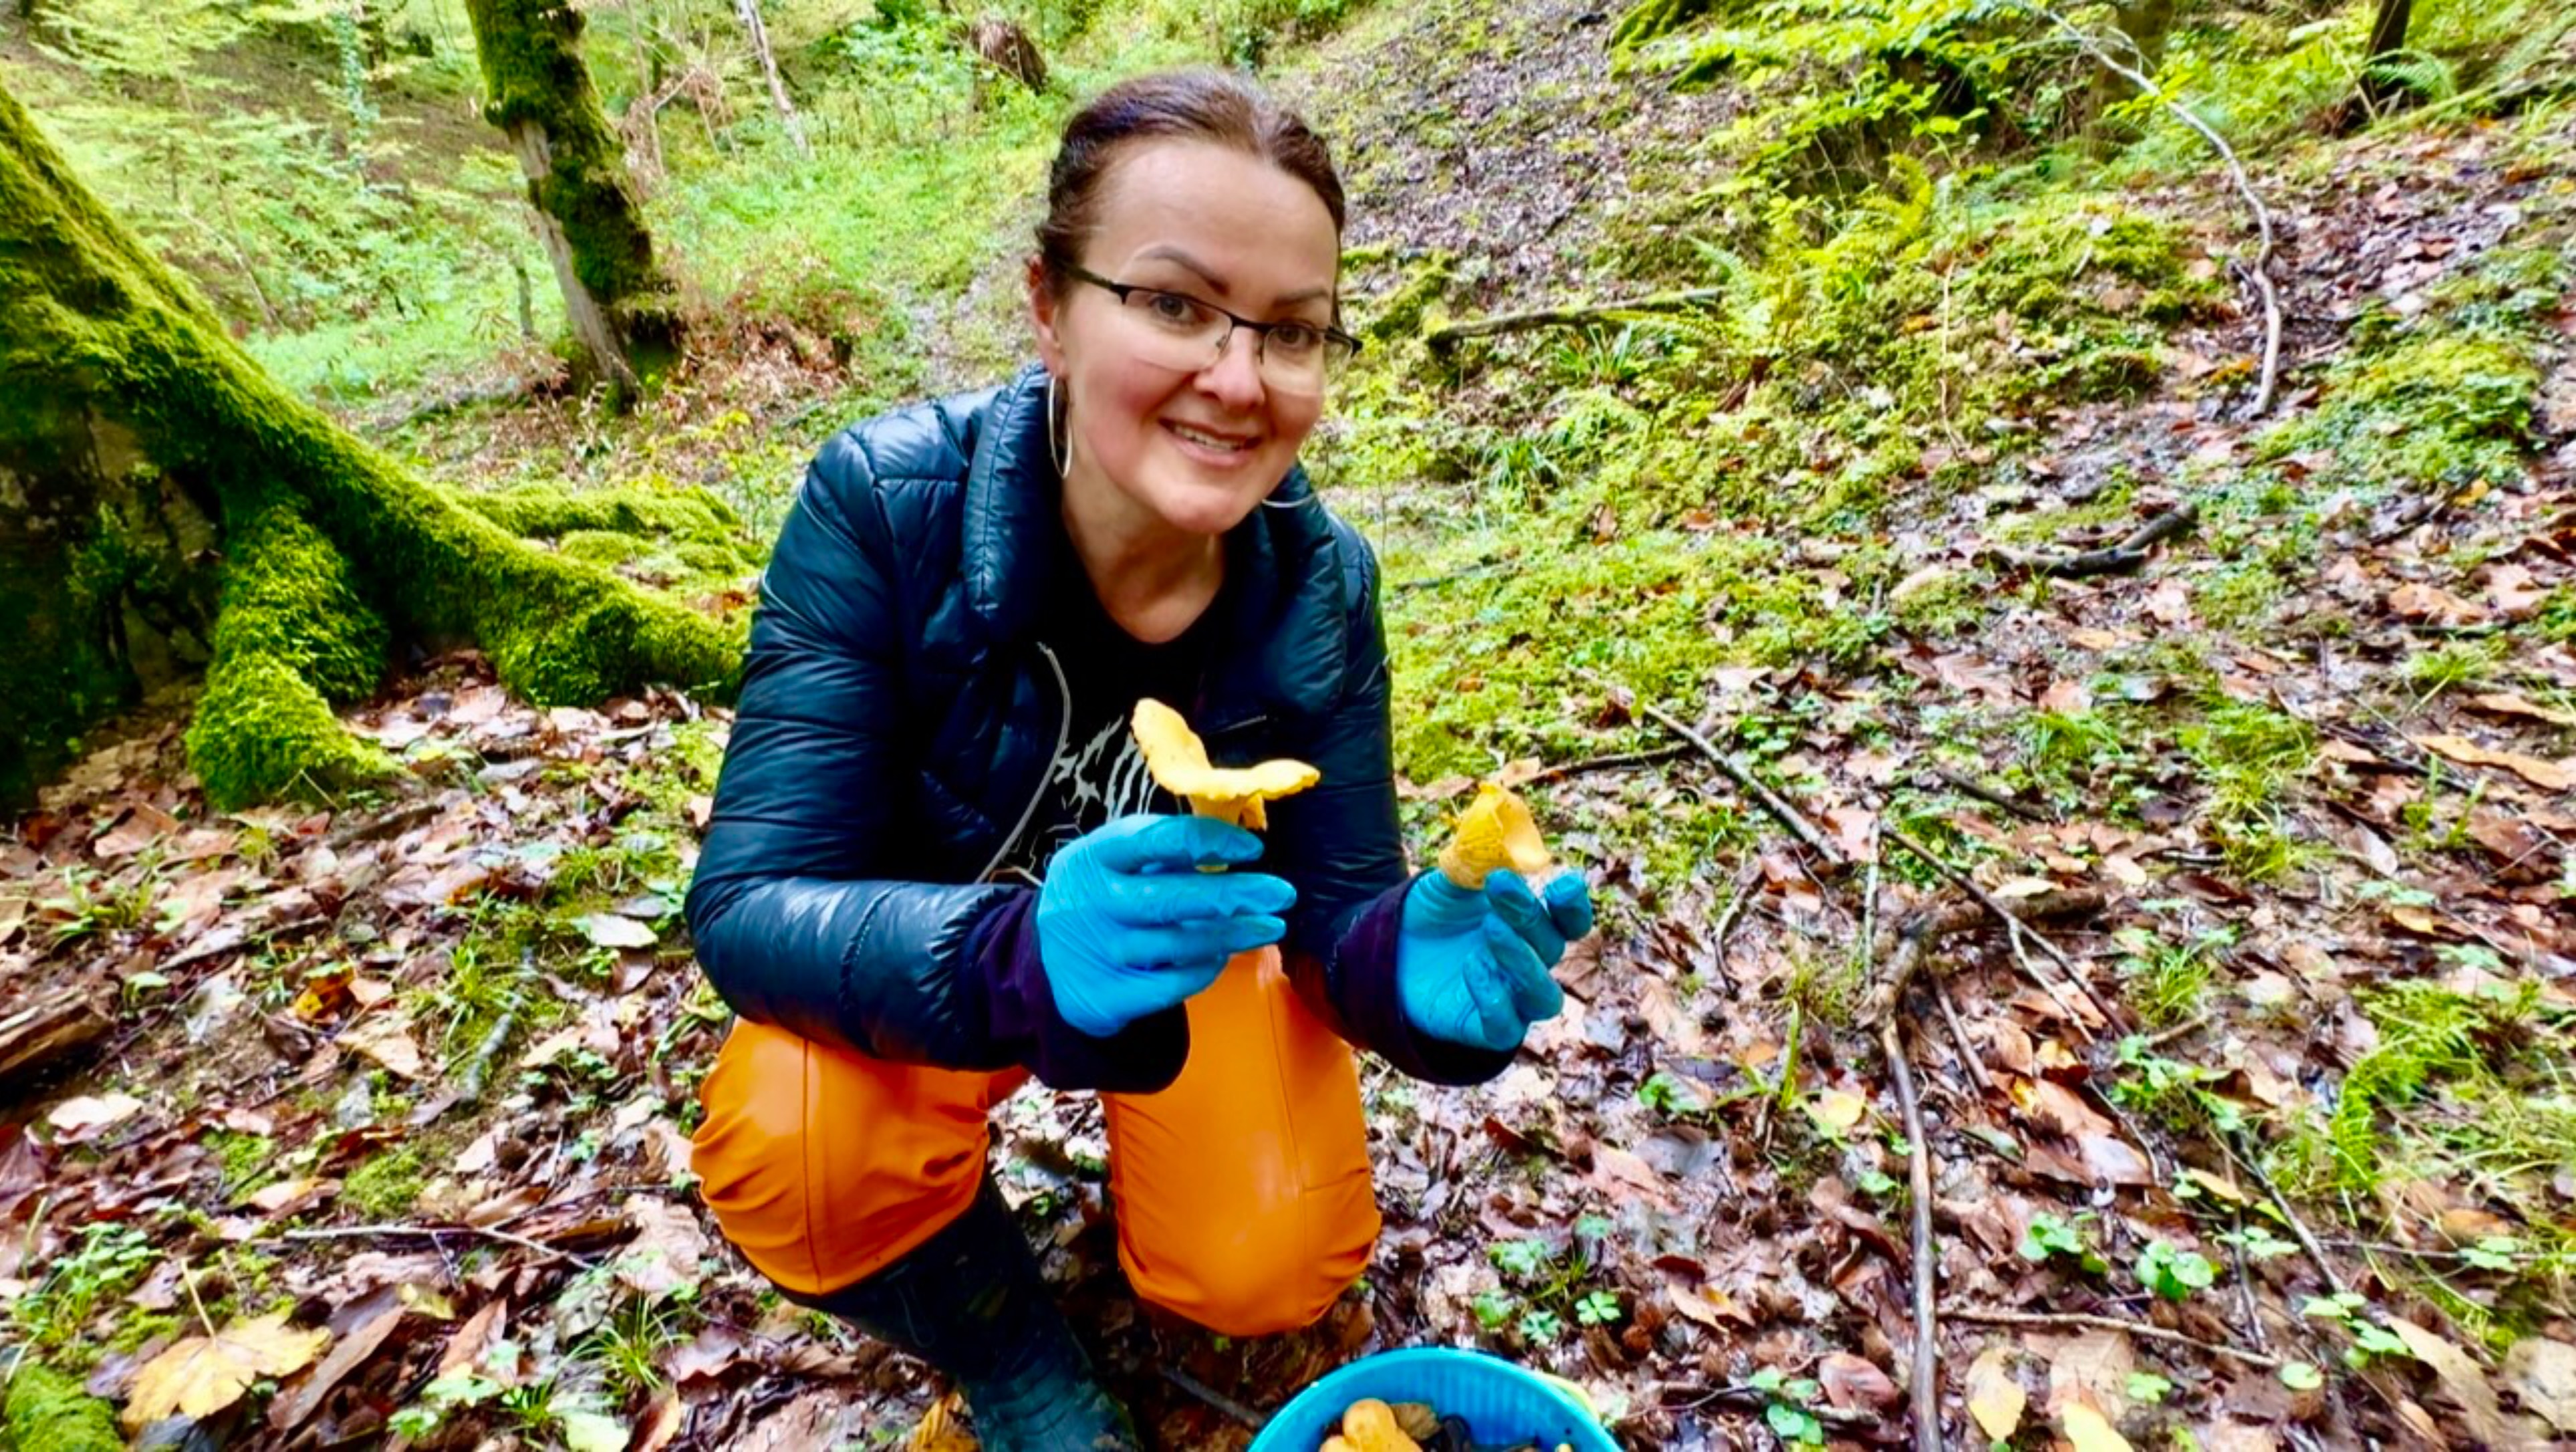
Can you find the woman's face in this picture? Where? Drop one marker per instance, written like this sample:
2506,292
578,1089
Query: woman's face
1195,449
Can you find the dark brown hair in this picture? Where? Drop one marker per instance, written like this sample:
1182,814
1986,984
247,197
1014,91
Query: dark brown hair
1195,105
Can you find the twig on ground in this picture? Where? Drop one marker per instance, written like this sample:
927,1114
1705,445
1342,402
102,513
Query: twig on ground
2117,559
2298,1228
1756,1398
1972,1067
1441,339
1927,1349
469,1086
2261,269
1606,763
1216,1400
1772,802
1991,796
2245,1291
1726,923
2077,1321
432,1233
2014,928
2182,1030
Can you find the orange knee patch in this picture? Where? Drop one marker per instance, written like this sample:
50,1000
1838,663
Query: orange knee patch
1244,1196
823,1165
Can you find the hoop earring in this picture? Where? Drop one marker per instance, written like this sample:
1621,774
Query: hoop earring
1059,446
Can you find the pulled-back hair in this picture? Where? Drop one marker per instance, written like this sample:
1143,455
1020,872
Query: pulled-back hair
1193,105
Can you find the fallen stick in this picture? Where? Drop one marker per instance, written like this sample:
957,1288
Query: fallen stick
2298,1228
1756,1398
1970,1066
1451,335
1927,1349
2128,555
1989,795
2078,1321
2013,925
1215,1400
1612,762
1772,802
2261,271
1726,923
432,1233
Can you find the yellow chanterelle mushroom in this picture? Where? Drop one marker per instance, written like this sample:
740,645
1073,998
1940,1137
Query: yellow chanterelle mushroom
1179,762
1369,1425
1496,830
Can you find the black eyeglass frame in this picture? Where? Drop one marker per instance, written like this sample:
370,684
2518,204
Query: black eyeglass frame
1123,290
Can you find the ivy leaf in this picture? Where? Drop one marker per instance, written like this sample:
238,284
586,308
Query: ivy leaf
2301,1376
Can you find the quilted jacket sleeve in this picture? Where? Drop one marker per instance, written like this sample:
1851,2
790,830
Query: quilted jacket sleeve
1340,844
799,906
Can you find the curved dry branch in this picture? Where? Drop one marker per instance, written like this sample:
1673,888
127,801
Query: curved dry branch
2261,270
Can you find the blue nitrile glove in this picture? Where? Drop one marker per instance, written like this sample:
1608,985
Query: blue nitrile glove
1471,967
1128,925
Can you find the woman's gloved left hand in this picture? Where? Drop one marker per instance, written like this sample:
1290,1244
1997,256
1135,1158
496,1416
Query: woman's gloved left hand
1471,967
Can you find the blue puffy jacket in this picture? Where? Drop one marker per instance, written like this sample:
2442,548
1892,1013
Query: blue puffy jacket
897,719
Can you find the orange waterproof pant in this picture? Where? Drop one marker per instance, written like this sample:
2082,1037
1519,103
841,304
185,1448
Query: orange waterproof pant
1243,1193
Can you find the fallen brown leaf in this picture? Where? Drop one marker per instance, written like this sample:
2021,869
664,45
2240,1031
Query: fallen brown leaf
2467,1384
2543,1373
1995,1399
667,1248
2511,703
1856,1385
290,1410
385,1038
2555,776
202,1375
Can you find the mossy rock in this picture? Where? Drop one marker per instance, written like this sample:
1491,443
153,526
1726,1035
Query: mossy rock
48,1412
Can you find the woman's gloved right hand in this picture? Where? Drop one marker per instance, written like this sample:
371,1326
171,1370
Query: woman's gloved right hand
1128,926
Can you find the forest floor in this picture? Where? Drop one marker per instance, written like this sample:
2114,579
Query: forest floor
2264,1133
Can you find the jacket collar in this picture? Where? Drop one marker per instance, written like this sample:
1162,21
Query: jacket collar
1289,629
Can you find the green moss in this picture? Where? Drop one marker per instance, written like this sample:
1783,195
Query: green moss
2445,400
243,1156
1400,313
263,732
387,1185
48,1412
541,511
603,547
289,595
2438,410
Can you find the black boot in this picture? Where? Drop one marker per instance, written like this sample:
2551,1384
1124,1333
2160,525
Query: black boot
969,1300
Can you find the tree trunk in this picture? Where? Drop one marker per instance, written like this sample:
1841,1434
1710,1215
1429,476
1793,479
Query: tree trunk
150,471
539,94
759,33
2387,37
2146,25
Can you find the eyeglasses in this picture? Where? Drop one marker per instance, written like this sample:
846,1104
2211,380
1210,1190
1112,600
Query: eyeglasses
1175,330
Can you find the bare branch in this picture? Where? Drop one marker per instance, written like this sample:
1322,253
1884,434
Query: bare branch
2261,271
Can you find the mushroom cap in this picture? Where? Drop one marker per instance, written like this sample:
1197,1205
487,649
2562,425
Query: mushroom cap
1179,762
1496,830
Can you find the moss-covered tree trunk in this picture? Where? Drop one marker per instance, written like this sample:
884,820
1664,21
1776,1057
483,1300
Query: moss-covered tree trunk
121,397
539,93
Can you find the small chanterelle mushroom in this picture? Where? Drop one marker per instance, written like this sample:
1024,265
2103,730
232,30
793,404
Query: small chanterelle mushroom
1496,830
1179,762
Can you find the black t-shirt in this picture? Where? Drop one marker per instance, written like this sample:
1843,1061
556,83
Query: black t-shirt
1099,776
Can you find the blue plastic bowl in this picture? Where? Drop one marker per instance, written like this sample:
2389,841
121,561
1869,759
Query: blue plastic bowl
1501,1402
